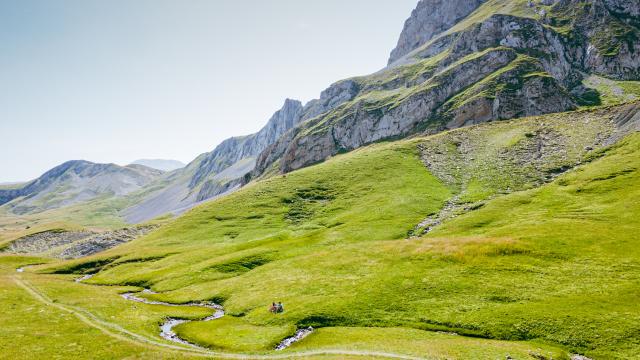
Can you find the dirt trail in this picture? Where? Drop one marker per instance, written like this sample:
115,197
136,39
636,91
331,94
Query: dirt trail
122,334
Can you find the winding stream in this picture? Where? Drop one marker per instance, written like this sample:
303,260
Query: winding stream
166,328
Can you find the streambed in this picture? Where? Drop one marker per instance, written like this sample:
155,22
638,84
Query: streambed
166,328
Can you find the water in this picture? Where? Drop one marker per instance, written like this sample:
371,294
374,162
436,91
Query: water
166,329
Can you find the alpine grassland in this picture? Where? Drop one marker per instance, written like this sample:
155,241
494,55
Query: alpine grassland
536,261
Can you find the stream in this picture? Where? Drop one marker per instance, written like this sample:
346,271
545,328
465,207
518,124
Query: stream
166,328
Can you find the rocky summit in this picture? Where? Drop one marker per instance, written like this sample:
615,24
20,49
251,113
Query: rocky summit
465,62
430,18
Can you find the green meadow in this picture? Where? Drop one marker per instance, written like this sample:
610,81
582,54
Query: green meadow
529,266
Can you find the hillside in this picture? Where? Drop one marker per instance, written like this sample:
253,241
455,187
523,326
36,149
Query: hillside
337,242
74,182
79,193
160,164
456,63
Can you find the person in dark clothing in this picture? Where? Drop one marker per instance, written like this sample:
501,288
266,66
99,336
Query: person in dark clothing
280,307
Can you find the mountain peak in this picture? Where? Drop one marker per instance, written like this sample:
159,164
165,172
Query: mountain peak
428,19
75,181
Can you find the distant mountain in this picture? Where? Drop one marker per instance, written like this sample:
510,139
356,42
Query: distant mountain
74,182
160,164
143,190
214,173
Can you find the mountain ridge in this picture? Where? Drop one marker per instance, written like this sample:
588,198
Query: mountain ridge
215,173
160,164
76,181
505,59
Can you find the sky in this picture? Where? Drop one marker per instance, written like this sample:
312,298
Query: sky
112,81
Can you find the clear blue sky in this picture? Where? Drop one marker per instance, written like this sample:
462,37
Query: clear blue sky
118,80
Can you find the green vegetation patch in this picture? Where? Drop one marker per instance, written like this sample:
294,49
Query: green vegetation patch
243,264
554,264
603,91
234,334
424,344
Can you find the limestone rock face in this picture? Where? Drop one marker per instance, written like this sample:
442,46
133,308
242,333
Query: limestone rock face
216,173
512,60
428,19
630,8
335,95
232,150
609,28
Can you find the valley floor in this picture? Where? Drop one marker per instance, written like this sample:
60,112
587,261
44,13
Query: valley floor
53,316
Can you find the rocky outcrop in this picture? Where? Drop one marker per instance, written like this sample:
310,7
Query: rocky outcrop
220,171
232,150
334,96
64,244
603,33
501,66
525,89
101,242
428,19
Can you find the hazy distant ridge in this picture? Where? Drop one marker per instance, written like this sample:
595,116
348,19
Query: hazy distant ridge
160,164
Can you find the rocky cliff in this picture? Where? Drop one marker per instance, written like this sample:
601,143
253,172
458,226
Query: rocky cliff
430,18
481,61
215,173
235,149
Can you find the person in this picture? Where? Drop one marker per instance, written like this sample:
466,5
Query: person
280,307
273,308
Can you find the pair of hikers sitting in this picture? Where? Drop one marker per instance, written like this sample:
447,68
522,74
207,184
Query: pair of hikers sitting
276,308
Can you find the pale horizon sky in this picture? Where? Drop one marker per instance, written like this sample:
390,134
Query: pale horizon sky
119,80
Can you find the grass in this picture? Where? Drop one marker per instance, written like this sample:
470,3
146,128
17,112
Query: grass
578,231
554,267
246,337
33,330
484,161
430,345
611,92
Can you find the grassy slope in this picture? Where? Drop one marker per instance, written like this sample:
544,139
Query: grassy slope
33,330
556,264
367,196
571,274
611,92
